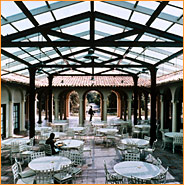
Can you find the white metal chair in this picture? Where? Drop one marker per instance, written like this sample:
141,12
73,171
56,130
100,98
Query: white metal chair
36,155
48,149
132,156
157,162
44,176
14,151
112,178
165,140
145,131
147,138
24,152
25,173
136,131
63,176
177,141
16,177
136,180
161,178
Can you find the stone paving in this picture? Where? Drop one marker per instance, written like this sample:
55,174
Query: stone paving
93,168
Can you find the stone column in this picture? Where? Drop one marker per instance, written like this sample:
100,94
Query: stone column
105,108
56,100
146,105
129,109
11,124
139,106
162,112
174,116
81,114
50,98
135,78
22,126
39,110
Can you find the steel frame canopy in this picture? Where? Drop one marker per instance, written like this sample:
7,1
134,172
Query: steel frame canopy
127,37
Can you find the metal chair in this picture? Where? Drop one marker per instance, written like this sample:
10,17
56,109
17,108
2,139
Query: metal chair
48,149
112,178
145,131
63,176
132,156
44,176
165,140
177,141
36,155
16,177
161,178
136,131
136,180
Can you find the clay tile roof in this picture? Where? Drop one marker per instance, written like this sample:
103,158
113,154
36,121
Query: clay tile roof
99,81
172,77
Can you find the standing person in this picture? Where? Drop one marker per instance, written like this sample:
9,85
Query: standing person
51,142
91,112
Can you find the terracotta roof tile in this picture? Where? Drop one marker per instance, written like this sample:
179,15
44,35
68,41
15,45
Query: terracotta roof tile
99,81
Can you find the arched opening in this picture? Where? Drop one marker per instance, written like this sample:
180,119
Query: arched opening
73,103
179,101
93,98
112,104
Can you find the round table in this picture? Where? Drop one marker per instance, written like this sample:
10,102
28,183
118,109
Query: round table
142,126
8,142
106,130
38,129
137,169
70,143
49,162
173,134
61,126
135,141
77,129
98,124
57,134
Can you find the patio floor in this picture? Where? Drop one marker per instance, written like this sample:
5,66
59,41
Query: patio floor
93,169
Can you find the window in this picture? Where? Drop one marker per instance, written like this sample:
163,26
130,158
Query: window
16,117
3,121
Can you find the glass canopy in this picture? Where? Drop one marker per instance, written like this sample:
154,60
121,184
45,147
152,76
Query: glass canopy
128,37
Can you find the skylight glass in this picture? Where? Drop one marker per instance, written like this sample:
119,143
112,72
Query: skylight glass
72,10
112,10
177,3
7,30
149,4
176,29
136,17
32,5
9,8
23,24
44,18
160,24
173,11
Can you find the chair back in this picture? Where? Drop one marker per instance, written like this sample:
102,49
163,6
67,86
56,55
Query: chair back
48,149
178,140
132,156
14,147
15,171
147,138
136,180
162,176
157,162
64,153
36,155
76,158
44,176
23,147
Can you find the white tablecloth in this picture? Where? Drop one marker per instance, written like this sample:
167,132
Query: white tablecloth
142,126
21,140
172,134
136,141
98,124
70,143
106,130
49,162
77,129
137,169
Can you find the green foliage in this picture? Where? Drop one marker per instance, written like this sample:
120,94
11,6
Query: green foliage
93,97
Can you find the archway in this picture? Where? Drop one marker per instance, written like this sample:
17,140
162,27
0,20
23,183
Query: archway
112,104
93,98
73,106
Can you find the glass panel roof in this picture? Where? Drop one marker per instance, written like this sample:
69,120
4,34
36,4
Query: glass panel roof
123,35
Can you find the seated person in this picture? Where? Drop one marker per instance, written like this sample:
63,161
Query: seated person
51,141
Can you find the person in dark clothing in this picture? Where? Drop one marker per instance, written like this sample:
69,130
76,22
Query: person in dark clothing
51,142
91,112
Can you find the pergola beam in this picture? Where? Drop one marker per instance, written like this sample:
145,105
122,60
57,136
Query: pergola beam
88,44
47,26
138,26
